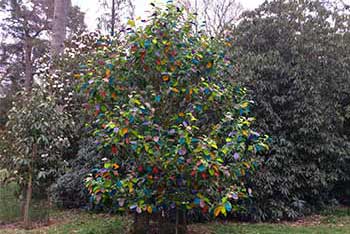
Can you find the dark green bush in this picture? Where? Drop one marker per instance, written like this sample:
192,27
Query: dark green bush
69,191
294,57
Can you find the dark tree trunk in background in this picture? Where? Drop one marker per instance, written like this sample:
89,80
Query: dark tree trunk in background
28,63
59,31
113,18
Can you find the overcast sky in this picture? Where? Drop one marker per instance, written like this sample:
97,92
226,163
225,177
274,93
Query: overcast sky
91,8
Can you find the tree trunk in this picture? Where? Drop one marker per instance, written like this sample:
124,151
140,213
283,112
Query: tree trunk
181,225
113,19
59,32
28,47
27,221
141,224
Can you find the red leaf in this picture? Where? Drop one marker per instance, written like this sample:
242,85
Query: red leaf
114,149
155,170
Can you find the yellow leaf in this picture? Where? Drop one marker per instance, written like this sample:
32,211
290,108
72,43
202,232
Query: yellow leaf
131,23
245,133
137,102
131,187
213,144
244,104
223,210
149,209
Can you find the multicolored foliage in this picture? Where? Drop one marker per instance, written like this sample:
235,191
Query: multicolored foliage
166,106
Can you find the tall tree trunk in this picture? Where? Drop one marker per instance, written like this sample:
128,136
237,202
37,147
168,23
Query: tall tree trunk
28,201
60,17
27,221
28,47
113,19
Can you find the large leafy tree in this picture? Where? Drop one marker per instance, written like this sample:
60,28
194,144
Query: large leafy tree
26,27
37,132
294,56
165,106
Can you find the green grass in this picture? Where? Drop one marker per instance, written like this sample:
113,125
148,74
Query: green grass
76,222
336,222
86,223
73,222
10,206
280,229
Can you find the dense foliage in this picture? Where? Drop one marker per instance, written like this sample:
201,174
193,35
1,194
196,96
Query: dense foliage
38,131
69,190
165,106
294,57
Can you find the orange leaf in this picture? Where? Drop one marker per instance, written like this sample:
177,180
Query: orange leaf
217,211
175,90
165,78
125,131
209,65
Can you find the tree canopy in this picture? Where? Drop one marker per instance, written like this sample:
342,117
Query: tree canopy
166,106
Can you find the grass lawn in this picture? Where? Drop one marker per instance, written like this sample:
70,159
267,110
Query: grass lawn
76,222
10,206
337,222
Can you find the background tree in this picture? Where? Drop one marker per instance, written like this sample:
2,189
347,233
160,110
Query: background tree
215,16
25,23
294,57
60,20
115,15
27,26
